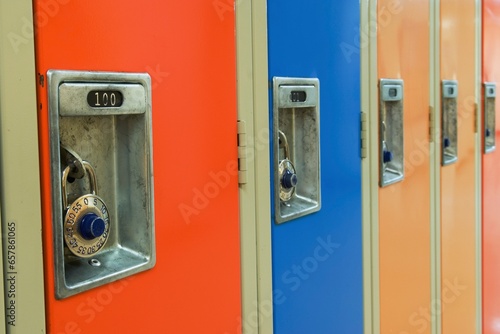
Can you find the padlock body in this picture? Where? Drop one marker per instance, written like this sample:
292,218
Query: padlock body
286,167
78,243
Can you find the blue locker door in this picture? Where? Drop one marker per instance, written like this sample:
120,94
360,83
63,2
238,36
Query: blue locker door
317,259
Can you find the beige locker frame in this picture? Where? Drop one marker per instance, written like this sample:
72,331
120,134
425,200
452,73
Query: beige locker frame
2,285
254,191
19,164
435,133
369,172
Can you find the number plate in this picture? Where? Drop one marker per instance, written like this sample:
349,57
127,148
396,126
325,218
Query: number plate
105,98
82,99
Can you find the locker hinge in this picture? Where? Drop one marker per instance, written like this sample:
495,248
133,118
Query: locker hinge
476,117
364,135
432,124
242,152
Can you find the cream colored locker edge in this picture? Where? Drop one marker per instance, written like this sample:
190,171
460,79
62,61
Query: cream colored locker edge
255,224
19,166
369,170
434,133
2,285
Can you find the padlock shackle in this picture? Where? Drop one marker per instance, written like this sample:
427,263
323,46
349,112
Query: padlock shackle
93,181
284,143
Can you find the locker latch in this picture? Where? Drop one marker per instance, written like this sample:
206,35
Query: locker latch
449,143
490,92
391,144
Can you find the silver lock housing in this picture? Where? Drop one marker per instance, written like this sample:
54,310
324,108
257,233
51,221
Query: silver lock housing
116,136
449,123
489,135
391,131
296,114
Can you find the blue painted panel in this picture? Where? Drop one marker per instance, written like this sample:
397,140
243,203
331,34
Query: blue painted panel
317,259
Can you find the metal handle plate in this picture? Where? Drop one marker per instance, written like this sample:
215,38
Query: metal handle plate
391,132
449,135
490,92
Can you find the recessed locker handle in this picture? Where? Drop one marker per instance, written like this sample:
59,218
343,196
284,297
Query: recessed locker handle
391,132
296,148
449,147
100,137
490,92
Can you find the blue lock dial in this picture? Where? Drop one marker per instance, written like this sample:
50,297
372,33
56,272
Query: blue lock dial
92,226
289,179
446,142
387,156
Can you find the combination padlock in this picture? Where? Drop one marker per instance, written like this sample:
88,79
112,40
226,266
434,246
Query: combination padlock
287,175
86,223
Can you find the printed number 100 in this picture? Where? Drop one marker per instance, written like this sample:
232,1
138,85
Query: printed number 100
105,98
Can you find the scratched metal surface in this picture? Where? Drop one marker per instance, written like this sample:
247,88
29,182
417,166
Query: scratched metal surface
449,130
391,117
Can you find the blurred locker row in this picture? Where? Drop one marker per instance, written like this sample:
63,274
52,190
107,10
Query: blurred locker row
250,167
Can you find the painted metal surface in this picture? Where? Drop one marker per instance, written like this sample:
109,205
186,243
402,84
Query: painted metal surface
491,177
189,51
458,211
404,207
317,262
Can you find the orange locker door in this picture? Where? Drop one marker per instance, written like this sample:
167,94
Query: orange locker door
188,49
404,207
491,175
458,151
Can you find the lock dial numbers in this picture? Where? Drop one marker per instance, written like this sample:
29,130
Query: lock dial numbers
86,226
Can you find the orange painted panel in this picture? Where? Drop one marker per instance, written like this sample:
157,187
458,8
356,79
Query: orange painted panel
404,226
188,48
457,52
491,177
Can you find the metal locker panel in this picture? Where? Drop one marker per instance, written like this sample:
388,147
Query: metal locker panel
316,258
404,207
457,181
491,181
188,49
19,175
